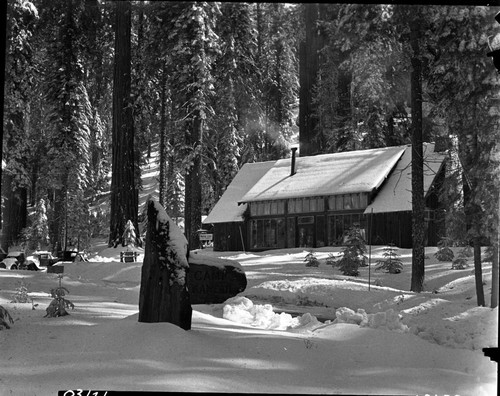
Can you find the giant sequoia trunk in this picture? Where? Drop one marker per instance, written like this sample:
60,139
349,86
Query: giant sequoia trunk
164,295
3,44
308,77
417,163
124,194
15,212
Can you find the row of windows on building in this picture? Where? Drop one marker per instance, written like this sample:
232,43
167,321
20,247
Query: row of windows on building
310,205
304,231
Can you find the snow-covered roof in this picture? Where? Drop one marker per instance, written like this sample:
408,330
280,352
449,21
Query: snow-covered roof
395,194
326,174
227,209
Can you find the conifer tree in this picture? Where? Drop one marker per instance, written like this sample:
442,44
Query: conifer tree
36,235
461,86
194,48
68,115
233,73
21,21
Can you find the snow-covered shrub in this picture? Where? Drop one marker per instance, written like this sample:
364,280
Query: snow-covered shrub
392,262
330,260
444,252
58,305
459,263
353,254
311,260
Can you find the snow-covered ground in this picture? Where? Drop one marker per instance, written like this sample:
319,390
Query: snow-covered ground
295,329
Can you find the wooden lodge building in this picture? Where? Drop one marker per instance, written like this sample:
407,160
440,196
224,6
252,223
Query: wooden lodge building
312,201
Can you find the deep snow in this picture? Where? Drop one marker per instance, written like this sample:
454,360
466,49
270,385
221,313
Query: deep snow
369,339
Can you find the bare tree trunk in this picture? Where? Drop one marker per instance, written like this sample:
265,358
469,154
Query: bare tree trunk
417,163
494,275
496,258
195,186
124,194
478,272
163,139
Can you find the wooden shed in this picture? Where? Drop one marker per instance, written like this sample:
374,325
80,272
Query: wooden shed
312,201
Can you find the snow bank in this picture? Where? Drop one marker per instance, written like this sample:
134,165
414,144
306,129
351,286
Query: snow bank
473,329
243,310
390,319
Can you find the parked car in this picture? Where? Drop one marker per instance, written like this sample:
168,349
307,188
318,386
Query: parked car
44,258
17,260
72,255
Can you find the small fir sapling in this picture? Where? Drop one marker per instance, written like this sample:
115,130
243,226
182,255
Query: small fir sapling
22,295
444,252
58,305
353,254
129,236
391,262
311,260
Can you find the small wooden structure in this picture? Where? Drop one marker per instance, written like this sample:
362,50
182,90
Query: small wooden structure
128,257
55,269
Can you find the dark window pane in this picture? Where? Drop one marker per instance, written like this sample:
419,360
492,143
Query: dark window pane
320,231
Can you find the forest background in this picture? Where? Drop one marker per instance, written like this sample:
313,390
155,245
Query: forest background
91,87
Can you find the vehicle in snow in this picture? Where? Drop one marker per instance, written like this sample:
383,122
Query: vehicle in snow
17,260
72,256
43,258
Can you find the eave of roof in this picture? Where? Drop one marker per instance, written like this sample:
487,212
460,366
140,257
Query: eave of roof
227,209
395,195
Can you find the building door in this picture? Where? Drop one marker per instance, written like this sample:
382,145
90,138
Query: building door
290,232
305,226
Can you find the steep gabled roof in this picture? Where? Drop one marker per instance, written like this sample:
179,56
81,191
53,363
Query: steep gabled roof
387,169
395,194
227,209
327,174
